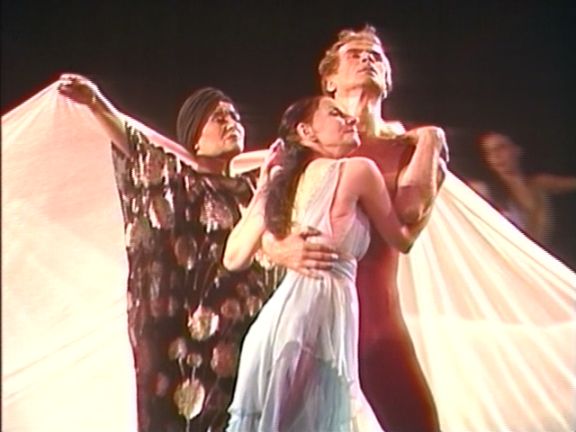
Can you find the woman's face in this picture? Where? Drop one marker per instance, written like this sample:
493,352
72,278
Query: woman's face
500,153
223,134
333,133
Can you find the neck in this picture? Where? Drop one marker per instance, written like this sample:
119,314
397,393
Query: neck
212,165
363,104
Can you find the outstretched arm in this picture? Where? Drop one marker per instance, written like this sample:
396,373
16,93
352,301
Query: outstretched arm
556,184
83,91
420,181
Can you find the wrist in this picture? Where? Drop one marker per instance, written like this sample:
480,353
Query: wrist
93,101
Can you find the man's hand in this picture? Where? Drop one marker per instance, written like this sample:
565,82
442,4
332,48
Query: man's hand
297,254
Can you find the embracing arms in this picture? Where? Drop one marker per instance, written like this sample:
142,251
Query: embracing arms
362,183
420,181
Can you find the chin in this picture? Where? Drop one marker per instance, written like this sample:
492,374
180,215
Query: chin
232,151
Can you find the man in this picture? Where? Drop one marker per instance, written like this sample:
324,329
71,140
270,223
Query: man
356,72
187,316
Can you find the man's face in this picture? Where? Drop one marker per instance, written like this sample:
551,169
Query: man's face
362,63
335,132
223,134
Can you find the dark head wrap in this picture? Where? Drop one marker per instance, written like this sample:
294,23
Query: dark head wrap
194,114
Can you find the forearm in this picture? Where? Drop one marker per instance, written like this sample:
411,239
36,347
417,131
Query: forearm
419,182
112,121
245,238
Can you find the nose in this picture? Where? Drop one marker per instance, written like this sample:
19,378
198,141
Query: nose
365,56
351,120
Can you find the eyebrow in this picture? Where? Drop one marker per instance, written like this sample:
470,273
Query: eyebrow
371,51
224,111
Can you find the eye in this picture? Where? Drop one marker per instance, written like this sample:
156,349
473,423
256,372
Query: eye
353,53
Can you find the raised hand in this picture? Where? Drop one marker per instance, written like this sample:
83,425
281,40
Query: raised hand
79,89
83,91
270,164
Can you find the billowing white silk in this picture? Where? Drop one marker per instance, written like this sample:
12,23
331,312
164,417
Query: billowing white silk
493,315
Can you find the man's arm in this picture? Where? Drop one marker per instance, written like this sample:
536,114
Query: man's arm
296,253
420,181
83,91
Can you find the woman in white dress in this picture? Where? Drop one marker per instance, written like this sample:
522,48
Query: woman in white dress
298,366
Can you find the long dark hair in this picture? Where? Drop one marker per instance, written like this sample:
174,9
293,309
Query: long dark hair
294,158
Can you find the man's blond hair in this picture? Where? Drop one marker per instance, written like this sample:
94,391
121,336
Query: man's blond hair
329,63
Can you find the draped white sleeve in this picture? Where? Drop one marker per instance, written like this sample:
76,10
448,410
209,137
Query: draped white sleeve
493,316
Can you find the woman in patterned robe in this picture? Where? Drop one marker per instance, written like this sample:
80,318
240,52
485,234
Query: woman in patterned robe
187,315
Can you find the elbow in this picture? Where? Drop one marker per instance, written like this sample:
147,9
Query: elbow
413,204
414,213
229,263
406,245
232,262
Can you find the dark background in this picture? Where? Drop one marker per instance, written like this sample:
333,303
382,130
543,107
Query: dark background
465,66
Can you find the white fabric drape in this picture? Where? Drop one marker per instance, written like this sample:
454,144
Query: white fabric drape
493,315
493,319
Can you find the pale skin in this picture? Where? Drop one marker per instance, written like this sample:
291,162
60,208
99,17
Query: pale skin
221,138
331,136
358,85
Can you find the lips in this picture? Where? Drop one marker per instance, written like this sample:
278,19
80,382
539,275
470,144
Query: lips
232,133
369,69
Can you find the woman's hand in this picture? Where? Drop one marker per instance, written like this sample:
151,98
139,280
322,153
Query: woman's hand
84,92
270,165
79,89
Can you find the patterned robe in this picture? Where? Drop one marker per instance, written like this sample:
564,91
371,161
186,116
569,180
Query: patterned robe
187,315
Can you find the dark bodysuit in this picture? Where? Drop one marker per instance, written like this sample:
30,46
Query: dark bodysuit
390,374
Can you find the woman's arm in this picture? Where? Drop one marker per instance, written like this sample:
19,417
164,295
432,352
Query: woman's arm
555,184
363,183
246,237
244,240
83,91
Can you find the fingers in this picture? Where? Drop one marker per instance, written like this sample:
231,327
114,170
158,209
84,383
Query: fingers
326,257
311,264
276,145
311,268
308,232
72,77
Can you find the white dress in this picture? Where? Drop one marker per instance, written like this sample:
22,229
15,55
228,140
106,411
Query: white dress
299,367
